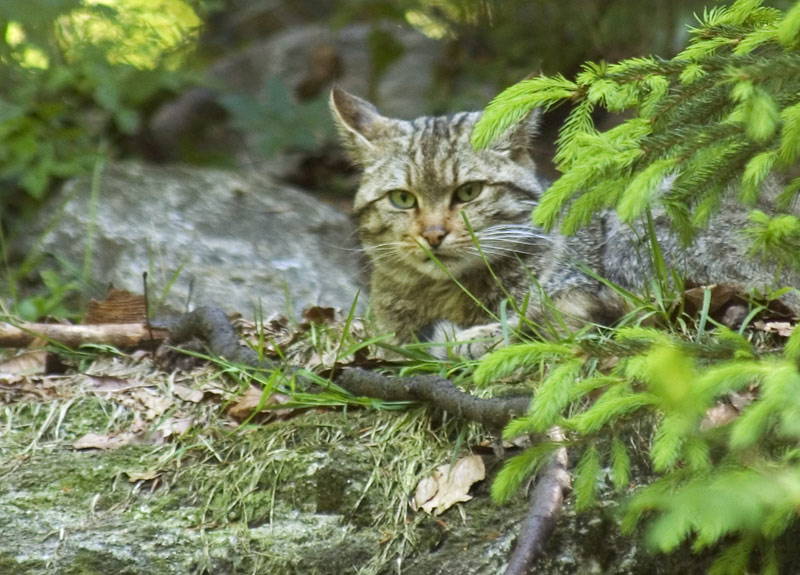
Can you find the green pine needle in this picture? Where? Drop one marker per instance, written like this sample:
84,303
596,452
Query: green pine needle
520,468
586,476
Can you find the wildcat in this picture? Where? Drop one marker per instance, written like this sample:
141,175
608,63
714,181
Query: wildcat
434,213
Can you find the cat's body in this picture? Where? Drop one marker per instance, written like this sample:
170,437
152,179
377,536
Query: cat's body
425,191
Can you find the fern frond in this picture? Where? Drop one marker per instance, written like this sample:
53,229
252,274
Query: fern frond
791,350
757,109
755,173
776,238
789,149
560,193
579,122
642,188
789,28
697,454
734,559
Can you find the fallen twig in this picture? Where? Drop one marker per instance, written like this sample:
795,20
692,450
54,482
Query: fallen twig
212,325
493,412
546,500
116,334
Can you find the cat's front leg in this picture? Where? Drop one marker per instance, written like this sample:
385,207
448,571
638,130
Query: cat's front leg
450,341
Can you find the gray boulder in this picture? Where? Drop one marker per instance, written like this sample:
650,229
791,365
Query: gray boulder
238,240
317,503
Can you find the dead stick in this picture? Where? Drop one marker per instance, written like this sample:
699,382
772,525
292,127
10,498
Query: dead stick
212,325
116,334
546,501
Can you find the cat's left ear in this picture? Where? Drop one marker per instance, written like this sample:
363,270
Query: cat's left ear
518,139
358,122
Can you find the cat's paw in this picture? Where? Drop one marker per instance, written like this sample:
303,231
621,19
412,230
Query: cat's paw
470,343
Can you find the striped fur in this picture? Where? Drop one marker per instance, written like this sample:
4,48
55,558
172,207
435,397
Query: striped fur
431,157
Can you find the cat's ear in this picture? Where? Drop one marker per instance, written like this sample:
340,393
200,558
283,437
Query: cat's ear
518,139
358,122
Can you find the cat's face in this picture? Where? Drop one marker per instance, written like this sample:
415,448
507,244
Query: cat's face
426,194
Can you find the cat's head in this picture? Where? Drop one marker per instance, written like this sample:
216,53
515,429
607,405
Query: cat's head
426,191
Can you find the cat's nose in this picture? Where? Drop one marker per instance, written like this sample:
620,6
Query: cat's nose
434,235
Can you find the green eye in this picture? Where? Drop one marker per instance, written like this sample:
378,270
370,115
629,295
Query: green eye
402,199
468,192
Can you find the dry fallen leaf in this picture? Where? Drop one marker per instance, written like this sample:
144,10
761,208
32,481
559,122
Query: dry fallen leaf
252,398
321,315
171,426
137,433
112,441
31,362
149,475
720,295
120,306
741,399
719,415
246,403
155,404
782,328
187,394
108,384
447,486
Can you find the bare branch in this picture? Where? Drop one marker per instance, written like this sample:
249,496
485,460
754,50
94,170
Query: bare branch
546,501
117,334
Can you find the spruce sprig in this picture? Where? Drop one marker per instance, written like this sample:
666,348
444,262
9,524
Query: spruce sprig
722,116
723,113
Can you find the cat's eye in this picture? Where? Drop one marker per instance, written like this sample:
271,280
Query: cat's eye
468,192
402,199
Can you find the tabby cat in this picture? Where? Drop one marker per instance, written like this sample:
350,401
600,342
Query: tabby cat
448,232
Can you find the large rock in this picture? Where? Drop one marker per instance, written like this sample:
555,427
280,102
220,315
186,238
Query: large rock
237,240
316,496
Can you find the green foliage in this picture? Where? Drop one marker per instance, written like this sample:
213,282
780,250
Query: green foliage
552,396
77,80
723,114
504,362
725,111
620,464
775,237
731,479
51,300
586,477
519,468
277,122
74,73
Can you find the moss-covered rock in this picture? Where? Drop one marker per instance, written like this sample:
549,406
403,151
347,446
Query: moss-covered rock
324,492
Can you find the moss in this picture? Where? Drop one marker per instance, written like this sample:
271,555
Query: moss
99,563
322,493
10,564
81,475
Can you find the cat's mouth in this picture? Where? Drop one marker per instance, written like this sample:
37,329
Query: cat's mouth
442,265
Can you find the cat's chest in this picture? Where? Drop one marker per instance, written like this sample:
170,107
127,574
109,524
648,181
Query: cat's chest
453,303
417,305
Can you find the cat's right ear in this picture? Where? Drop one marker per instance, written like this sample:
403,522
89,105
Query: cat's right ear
358,122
